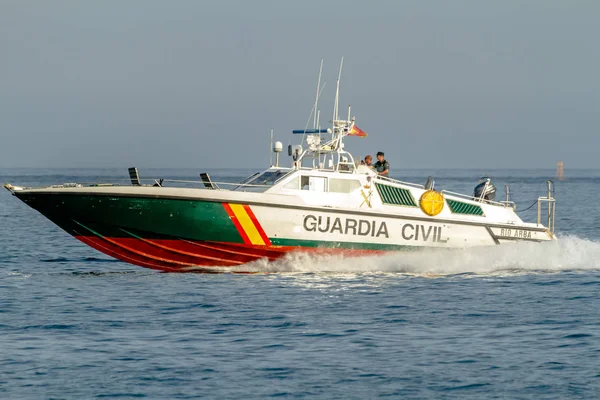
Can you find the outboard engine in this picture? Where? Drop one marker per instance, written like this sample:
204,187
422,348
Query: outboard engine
485,190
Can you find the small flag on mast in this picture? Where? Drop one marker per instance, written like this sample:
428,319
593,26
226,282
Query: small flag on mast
356,131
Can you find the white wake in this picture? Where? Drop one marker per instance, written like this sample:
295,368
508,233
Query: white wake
566,254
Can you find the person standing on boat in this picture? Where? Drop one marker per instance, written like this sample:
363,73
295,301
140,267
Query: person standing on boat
381,166
368,161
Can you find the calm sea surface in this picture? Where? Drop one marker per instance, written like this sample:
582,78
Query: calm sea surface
518,321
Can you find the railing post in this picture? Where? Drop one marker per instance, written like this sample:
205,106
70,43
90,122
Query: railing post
553,214
549,183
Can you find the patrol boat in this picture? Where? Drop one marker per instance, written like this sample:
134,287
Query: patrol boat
324,202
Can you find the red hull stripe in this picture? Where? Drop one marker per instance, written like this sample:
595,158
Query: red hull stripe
98,244
259,228
175,255
229,249
179,255
237,224
173,250
151,256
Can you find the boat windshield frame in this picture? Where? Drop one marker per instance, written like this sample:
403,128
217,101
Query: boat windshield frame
258,184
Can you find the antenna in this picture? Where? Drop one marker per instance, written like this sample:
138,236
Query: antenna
337,93
313,111
318,123
318,126
317,96
337,134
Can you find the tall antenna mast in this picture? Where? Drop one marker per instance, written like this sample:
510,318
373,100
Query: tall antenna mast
337,94
318,126
337,133
317,97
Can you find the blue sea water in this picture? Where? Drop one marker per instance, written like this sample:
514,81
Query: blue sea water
517,321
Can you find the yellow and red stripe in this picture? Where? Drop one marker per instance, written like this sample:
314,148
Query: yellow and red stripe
247,225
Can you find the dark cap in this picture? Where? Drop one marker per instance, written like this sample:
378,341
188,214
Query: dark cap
380,153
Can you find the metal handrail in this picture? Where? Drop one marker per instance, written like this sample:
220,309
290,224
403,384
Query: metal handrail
237,184
551,211
324,169
385,178
475,199
509,203
121,182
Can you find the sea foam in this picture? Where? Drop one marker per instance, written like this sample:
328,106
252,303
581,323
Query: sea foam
566,254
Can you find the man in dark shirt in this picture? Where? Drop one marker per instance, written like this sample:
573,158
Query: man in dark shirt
381,166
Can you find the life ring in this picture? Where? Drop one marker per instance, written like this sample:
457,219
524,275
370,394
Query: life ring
432,202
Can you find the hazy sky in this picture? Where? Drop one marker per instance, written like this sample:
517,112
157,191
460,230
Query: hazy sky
482,84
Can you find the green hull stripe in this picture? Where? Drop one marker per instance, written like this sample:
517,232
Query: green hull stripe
340,245
156,217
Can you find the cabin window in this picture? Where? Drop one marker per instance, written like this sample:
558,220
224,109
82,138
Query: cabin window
343,185
314,183
292,184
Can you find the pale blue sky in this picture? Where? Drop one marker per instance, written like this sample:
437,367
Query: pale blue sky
482,84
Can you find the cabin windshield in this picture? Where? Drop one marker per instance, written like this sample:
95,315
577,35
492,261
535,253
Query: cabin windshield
263,181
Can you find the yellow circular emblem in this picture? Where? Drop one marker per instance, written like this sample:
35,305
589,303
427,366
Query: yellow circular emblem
432,202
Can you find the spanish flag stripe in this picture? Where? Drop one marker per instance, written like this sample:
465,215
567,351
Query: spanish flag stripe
259,228
237,223
247,224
